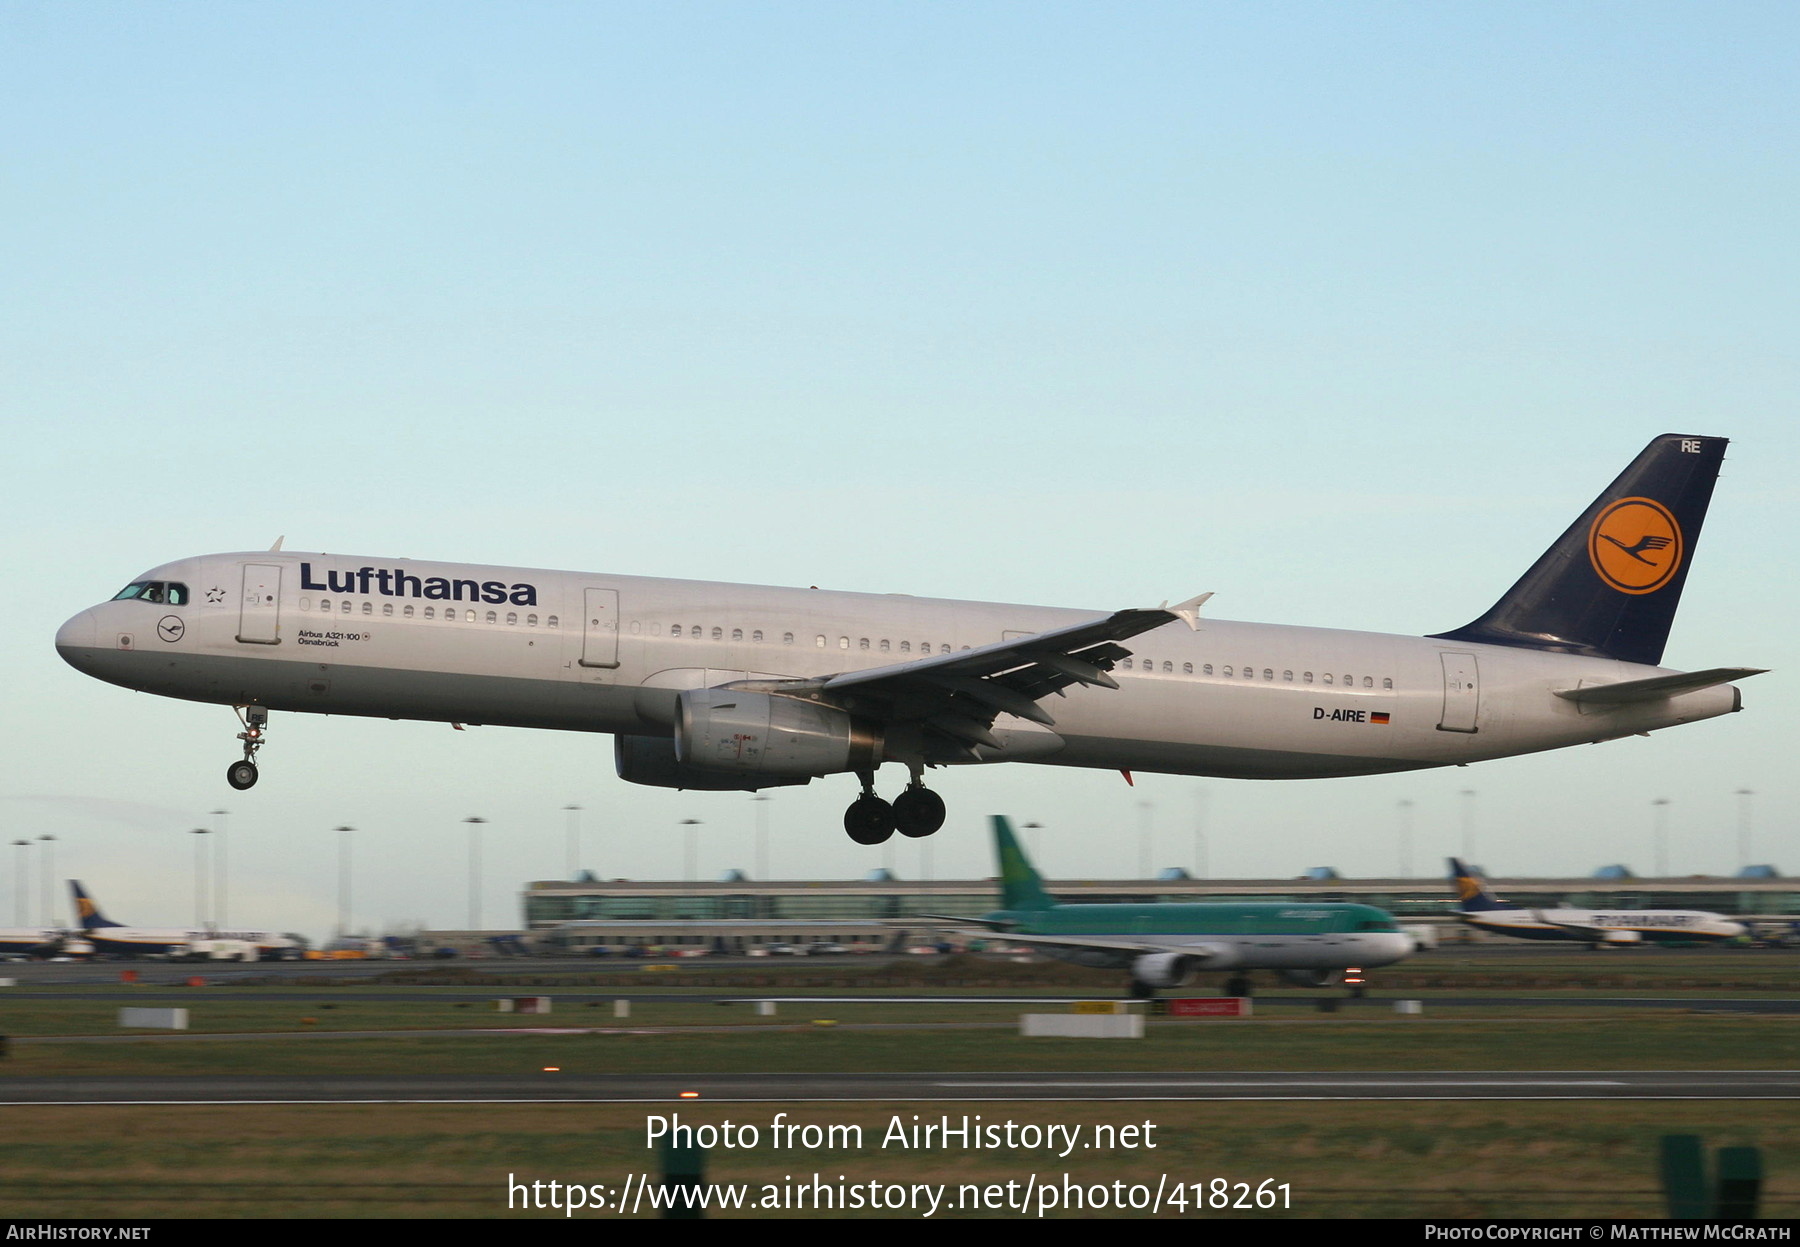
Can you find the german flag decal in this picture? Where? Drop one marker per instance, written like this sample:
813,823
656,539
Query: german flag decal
1378,717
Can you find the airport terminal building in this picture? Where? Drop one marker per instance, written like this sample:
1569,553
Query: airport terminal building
880,911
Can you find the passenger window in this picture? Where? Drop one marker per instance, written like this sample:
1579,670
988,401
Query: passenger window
737,634
1388,682
695,632
943,649
324,604
757,636
469,617
884,645
345,608
906,647
719,634
1268,674
531,622
819,642
407,610
1328,677
1168,668
1207,670
550,622
1349,681
1126,664
843,642
305,603
430,612
1228,673
511,618
368,608
1368,681
1288,676
1187,668
1249,673
863,644
1308,677
387,608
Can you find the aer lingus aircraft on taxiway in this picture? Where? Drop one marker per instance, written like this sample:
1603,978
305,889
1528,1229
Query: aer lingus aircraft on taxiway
1165,944
741,687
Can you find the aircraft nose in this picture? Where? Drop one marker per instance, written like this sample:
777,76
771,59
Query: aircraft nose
80,633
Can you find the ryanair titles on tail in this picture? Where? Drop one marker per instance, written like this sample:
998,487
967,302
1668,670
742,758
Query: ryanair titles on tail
395,582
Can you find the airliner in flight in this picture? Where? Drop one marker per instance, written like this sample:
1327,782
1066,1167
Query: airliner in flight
1479,908
742,687
1165,944
118,940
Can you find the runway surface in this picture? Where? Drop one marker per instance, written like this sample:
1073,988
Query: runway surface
797,1088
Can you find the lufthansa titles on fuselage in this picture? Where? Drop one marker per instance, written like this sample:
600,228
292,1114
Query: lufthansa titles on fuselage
397,582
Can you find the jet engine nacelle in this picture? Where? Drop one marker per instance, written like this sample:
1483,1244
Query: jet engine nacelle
1621,937
1165,969
651,760
742,733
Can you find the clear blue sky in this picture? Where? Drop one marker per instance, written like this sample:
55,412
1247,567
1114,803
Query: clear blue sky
1339,311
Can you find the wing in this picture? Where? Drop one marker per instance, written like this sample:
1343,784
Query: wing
1106,944
953,699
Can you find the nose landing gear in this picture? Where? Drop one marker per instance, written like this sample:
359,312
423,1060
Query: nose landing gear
242,775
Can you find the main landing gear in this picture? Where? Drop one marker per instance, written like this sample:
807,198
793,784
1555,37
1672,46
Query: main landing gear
242,775
916,812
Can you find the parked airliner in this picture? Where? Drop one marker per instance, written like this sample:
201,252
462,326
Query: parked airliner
118,940
1479,908
738,687
1165,944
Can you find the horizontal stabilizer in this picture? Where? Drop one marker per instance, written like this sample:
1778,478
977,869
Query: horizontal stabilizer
1656,688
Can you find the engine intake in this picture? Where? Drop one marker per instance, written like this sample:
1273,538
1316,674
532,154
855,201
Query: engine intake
1164,969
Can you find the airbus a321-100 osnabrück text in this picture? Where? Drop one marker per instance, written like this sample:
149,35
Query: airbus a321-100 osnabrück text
742,687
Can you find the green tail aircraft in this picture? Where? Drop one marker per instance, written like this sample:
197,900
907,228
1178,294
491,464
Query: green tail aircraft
1165,944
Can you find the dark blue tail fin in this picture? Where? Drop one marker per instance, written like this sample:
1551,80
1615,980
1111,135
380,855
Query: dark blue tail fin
88,914
1472,895
1609,586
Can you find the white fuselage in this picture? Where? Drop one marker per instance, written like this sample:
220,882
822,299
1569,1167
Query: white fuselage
401,638
166,941
1675,926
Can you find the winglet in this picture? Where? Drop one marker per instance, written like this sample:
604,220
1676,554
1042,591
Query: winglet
1189,611
278,542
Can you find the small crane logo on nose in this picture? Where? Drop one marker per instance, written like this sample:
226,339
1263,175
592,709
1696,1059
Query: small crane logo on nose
170,628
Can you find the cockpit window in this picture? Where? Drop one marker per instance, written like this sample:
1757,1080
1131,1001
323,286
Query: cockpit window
163,593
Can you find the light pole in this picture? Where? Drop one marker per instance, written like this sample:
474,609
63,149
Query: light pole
1743,796
1468,827
49,871
344,880
1200,863
20,890
221,875
1659,835
689,863
574,813
200,834
1405,807
475,825
761,800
